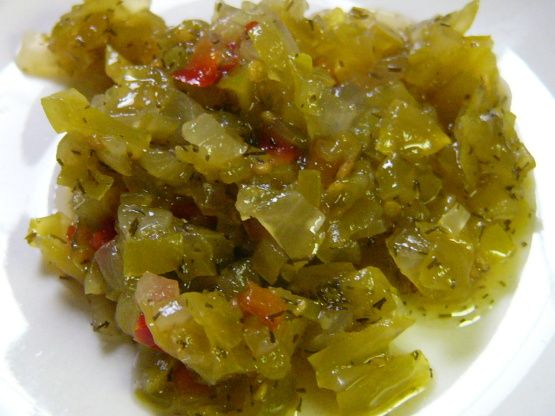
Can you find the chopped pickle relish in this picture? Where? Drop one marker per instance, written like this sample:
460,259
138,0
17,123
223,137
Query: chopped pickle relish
268,198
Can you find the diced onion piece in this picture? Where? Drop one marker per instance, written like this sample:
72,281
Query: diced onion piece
287,216
215,145
436,263
203,330
142,334
109,261
455,219
35,58
164,165
152,288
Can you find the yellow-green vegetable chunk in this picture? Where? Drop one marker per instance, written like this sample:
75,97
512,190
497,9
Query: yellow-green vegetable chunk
266,201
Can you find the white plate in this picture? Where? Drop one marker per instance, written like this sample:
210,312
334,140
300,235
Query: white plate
51,363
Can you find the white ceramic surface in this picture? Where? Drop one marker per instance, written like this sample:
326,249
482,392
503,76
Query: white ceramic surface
52,364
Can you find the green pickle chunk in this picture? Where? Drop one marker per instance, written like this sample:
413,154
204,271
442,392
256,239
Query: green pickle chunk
268,198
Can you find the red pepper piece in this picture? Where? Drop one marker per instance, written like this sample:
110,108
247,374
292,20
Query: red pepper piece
251,25
186,381
71,230
102,236
142,333
279,148
185,209
262,303
255,230
202,70
286,155
199,74
78,239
